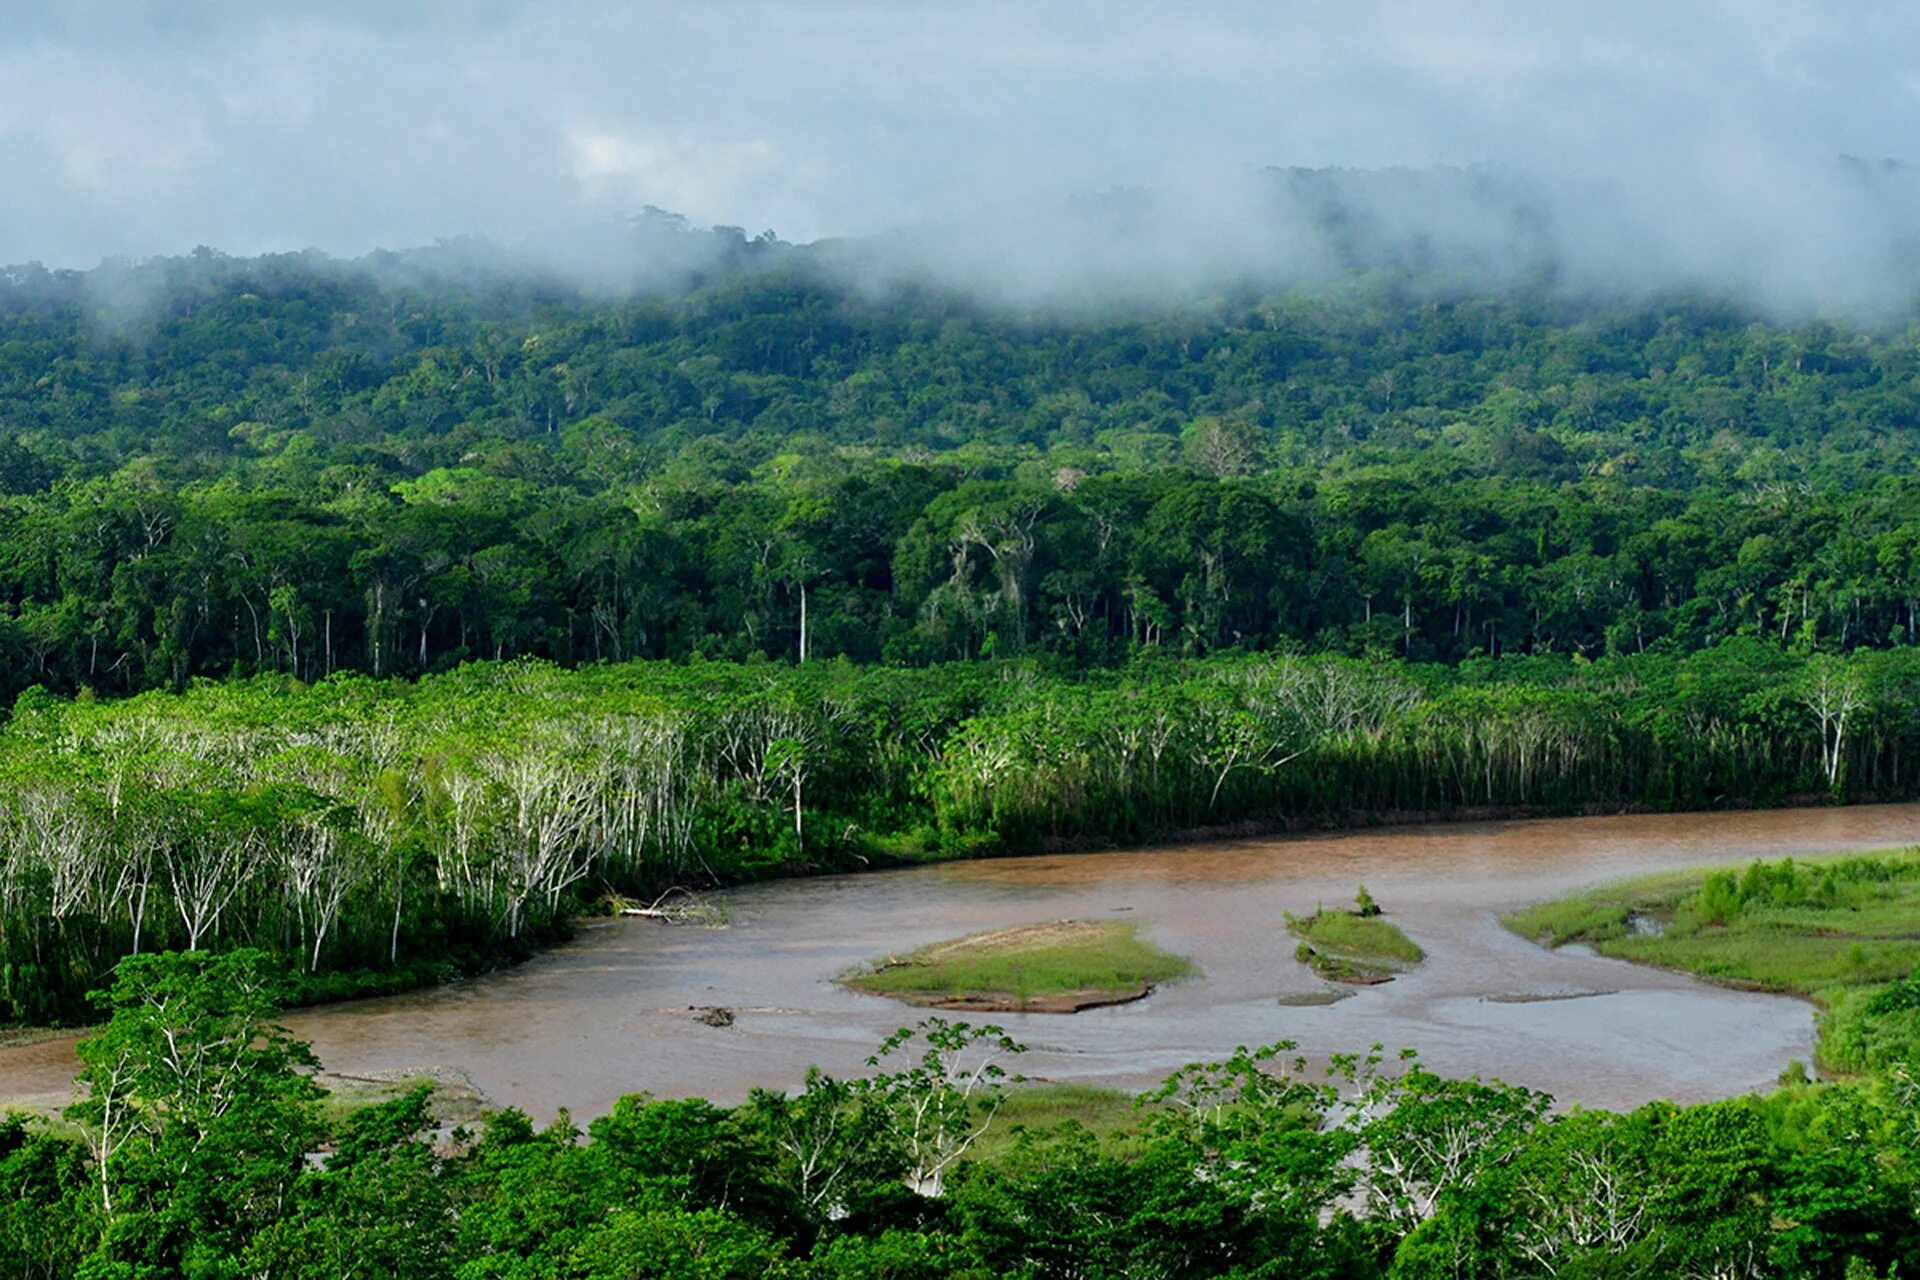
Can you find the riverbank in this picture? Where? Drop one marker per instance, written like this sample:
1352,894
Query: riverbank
1369,819
616,1010
1842,932
477,808
319,990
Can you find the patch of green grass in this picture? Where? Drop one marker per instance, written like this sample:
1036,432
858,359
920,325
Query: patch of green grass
41,1121
1070,963
1889,917
1800,964
922,845
1834,930
1353,946
1365,937
1110,1115
1583,919
1600,914
1871,1027
345,1096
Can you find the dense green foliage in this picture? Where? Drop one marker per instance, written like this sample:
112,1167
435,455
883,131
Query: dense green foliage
1844,932
933,580
198,1128
378,831
215,466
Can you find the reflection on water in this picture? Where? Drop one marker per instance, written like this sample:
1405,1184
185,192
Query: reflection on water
610,1014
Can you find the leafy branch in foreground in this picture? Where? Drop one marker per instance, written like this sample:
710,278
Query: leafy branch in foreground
944,1095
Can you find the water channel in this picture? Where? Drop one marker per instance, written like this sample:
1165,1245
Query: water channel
611,1013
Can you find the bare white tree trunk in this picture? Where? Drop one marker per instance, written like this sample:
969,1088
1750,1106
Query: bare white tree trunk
1832,693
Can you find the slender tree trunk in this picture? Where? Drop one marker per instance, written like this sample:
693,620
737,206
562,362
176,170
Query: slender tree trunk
379,627
393,940
140,916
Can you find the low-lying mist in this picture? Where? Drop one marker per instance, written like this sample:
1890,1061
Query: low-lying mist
1843,246
1063,157
1839,240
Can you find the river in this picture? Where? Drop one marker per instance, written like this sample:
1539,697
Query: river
610,1013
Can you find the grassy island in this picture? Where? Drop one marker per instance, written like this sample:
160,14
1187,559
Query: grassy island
1059,967
1841,932
1354,946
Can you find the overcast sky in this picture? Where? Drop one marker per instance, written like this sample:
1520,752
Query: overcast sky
142,128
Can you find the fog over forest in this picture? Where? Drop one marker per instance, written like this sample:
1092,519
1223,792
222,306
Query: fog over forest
667,490
1065,154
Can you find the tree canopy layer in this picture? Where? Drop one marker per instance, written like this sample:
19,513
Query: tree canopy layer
214,466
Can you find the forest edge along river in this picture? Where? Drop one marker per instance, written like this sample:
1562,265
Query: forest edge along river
617,1011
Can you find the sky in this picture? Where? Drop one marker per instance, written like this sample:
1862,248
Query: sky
1695,139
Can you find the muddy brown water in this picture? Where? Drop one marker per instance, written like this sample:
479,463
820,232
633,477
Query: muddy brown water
610,1013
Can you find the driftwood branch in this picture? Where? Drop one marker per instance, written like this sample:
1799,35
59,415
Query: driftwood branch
680,905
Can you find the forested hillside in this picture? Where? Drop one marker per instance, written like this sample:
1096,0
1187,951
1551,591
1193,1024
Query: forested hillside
218,466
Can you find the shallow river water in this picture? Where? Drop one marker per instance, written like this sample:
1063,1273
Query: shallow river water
610,1013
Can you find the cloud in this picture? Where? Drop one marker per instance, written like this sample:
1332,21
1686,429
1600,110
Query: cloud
1652,142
